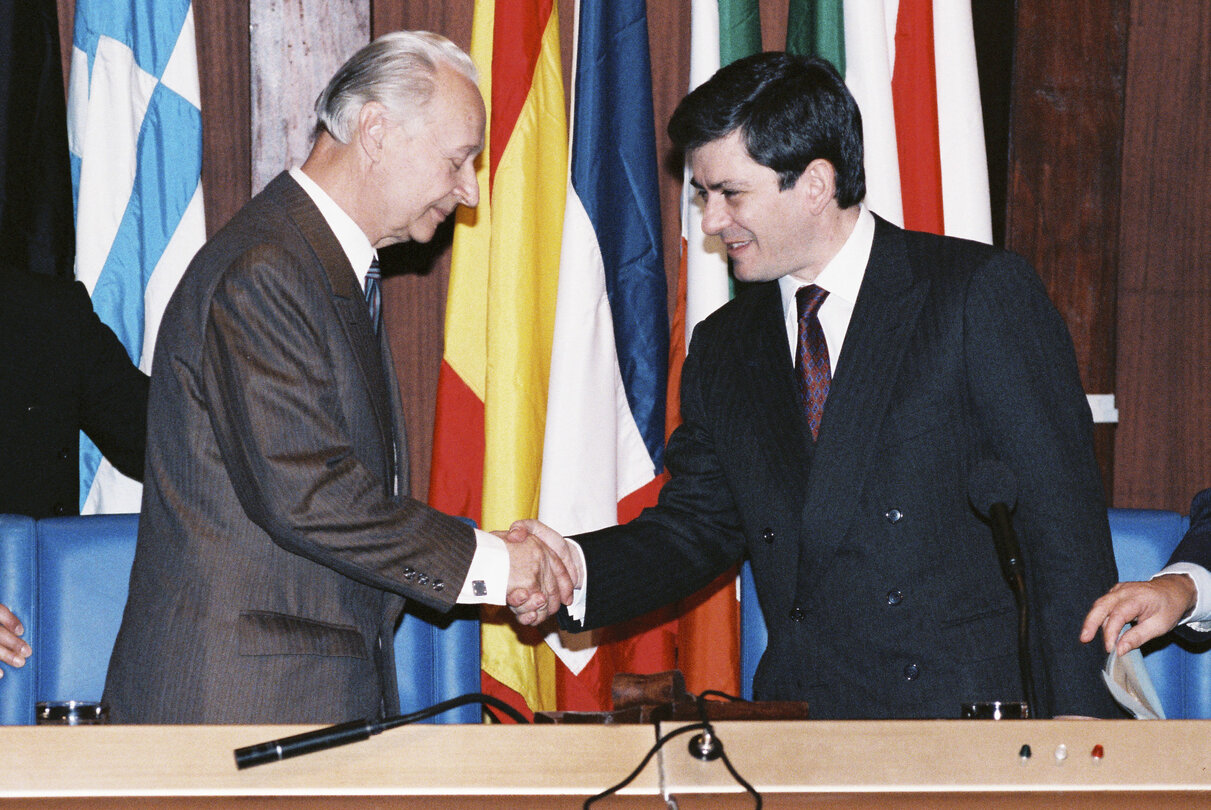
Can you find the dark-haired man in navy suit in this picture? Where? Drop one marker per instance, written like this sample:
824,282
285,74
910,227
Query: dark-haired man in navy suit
833,414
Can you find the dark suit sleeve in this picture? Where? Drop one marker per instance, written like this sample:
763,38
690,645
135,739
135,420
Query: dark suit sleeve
677,547
287,438
1195,548
113,392
1032,415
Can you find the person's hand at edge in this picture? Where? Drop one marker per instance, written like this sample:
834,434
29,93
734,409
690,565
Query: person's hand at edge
1156,607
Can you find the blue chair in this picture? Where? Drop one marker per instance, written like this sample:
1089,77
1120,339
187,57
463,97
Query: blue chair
67,579
1143,539
17,590
82,580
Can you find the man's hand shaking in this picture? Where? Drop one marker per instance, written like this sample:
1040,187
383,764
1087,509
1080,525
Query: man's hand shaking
556,572
539,579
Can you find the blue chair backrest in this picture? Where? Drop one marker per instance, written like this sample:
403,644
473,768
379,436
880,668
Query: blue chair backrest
1143,539
67,580
18,568
83,577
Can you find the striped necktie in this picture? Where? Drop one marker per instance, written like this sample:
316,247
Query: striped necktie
374,296
811,357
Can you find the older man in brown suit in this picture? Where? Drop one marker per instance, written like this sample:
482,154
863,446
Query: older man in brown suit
277,543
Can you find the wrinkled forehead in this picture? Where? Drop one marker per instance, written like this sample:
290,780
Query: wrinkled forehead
456,108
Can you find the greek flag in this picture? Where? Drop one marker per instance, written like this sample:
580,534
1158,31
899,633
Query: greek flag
135,135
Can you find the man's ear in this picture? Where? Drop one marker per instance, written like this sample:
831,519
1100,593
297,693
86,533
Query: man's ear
372,130
817,185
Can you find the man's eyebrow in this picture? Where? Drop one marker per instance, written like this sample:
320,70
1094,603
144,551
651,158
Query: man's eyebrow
711,186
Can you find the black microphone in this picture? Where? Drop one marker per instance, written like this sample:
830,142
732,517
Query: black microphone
306,743
358,730
993,491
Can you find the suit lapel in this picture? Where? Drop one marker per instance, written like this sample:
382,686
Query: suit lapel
403,480
885,315
347,298
777,421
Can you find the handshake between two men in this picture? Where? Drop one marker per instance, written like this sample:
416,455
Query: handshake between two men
544,569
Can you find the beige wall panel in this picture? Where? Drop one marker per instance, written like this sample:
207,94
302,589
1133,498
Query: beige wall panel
295,46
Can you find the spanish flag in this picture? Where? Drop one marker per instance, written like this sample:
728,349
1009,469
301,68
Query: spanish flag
500,313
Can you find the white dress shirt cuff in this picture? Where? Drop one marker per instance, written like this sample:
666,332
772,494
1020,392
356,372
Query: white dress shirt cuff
488,577
1199,619
576,609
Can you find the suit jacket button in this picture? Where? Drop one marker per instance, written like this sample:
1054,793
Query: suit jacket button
893,515
797,614
59,510
895,597
438,585
911,671
767,534
423,579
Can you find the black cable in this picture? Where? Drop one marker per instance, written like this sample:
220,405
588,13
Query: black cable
453,703
711,741
643,763
701,703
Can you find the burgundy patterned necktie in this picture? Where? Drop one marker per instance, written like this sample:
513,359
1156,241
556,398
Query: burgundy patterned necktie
811,357
374,295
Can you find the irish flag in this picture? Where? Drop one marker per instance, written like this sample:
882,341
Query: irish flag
500,313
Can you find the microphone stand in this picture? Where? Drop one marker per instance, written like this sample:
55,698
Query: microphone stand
1010,556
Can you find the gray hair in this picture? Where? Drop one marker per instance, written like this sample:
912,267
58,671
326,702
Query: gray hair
396,70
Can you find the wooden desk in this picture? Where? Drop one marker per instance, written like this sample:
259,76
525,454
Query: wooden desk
952,763
414,766
901,764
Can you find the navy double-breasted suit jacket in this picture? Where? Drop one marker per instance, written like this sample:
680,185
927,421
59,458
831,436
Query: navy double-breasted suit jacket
1195,547
879,583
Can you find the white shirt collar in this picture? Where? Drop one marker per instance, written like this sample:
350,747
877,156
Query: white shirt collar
843,274
352,239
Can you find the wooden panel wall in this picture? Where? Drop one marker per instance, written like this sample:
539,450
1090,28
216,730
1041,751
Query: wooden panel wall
1163,449
1062,211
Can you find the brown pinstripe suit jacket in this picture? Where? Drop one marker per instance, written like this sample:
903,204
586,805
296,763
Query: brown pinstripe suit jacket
273,557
